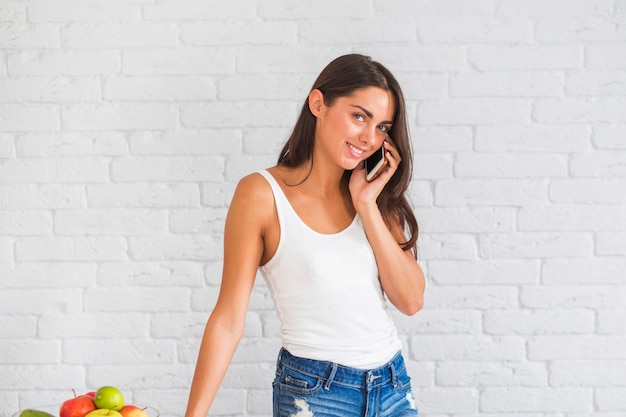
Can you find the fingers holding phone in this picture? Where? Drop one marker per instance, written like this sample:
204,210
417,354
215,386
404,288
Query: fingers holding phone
377,163
392,155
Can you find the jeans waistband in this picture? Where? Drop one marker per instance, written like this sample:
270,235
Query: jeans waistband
330,372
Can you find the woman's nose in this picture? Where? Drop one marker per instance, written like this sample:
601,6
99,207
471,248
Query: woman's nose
368,135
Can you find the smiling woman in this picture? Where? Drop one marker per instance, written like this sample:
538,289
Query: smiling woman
361,119
332,248
343,79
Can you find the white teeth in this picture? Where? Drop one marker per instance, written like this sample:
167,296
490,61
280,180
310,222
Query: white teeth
355,149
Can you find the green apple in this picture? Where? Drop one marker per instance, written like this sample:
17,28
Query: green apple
34,413
103,412
109,397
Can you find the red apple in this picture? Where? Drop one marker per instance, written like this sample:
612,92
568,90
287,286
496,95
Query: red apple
77,407
133,411
91,394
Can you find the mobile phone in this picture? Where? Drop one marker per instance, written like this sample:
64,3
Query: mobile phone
374,164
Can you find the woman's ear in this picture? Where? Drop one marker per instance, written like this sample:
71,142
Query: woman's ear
316,102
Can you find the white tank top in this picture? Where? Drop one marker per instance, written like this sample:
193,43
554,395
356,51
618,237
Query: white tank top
326,292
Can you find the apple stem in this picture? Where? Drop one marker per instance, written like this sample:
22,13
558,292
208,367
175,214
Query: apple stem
144,409
74,391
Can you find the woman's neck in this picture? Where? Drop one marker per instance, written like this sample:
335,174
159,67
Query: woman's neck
318,179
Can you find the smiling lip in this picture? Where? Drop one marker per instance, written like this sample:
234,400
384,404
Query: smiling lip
357,152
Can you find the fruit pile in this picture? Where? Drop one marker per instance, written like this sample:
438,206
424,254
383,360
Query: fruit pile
107,401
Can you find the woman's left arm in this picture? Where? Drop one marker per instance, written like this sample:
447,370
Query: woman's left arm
400,275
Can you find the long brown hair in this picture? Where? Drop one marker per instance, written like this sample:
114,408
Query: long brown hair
341,78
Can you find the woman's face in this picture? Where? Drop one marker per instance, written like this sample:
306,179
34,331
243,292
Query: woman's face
353,127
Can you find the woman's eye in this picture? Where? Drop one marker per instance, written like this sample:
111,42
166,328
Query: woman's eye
359,117
383,128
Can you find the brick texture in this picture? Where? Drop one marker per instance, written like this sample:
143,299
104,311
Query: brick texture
125,125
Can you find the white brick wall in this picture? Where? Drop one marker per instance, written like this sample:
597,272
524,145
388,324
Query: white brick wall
125,124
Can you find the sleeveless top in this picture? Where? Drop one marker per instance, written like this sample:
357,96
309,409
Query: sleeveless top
326,292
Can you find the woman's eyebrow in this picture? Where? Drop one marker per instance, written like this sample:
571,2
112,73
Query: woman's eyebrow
370,115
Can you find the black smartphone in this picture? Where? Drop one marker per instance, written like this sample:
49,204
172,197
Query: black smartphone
374,164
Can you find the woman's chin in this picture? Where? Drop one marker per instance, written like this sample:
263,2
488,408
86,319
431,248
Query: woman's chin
351,167
351,163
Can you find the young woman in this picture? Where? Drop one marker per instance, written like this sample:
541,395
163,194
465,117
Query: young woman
331,246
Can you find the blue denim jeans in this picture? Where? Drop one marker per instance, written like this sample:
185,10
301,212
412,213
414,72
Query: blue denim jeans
311,388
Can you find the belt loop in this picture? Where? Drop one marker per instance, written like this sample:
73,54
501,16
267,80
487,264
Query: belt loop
394,379
331,376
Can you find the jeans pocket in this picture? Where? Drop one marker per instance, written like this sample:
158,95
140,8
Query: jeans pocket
403,380
298,382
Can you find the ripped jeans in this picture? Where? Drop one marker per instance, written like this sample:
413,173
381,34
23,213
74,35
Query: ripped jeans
311,388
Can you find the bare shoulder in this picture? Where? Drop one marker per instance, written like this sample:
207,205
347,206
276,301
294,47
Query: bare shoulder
253,198
254,187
